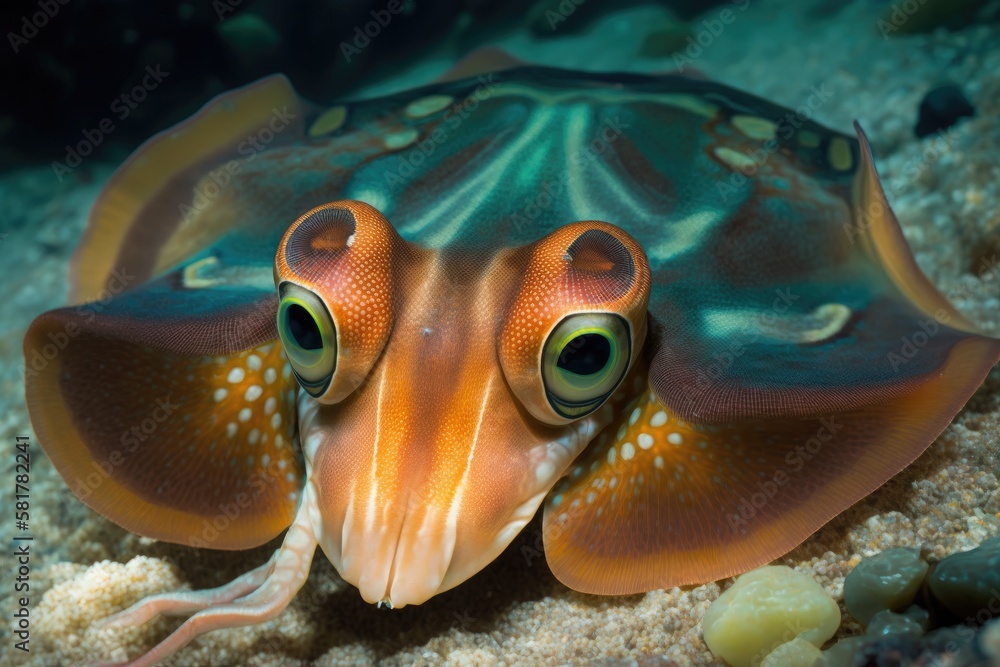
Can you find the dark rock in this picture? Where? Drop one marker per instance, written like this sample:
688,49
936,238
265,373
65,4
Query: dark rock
968,584
889,580
842,653
887,623
941,108
947,640
988,641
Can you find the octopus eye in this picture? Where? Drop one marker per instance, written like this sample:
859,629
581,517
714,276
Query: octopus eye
583,361
309,337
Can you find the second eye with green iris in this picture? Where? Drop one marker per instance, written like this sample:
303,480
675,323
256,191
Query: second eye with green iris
309,337
584,360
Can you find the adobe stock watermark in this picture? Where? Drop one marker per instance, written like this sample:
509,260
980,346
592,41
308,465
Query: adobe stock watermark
570,512
900,14
930,327
989,271
122,106
916,341
793,628
39,359
917,165
465,621
409,161
230,510
966,631
548,192
31,24
218,179
866,216
710,30
785,128
796,459
224,7
363,36
535,548
130,441
565,9
737,346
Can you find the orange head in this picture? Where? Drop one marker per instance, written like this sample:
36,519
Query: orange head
447,391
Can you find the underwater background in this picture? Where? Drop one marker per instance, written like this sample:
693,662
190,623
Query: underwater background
89,81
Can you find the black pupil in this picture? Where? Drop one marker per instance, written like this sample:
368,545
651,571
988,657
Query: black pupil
303,328
585,355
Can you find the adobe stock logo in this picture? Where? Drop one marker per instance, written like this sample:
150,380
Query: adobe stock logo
217,180
926,330
131,440
39,358
122,107
372,29
30,25
749,506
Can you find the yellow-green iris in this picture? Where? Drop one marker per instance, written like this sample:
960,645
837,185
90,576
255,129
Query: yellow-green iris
309,337
584,360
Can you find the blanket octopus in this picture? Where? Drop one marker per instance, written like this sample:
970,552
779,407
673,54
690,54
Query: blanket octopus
681,318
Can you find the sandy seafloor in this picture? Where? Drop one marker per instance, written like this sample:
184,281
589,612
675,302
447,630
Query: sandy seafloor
515,612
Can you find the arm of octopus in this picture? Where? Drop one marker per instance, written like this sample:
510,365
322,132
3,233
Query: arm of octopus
255,597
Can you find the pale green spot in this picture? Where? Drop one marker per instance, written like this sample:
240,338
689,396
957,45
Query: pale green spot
840,154
328,121
425,106
755,127
399,140
734,159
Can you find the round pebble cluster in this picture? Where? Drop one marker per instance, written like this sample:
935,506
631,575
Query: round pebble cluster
766,609
923,613
913,614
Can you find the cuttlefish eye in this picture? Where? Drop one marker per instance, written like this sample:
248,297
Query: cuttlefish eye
584,360
334,273
577,320
309,337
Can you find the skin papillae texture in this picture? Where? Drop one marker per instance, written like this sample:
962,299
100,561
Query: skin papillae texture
341,322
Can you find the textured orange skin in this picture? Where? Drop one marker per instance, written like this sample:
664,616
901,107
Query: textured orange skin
422,456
